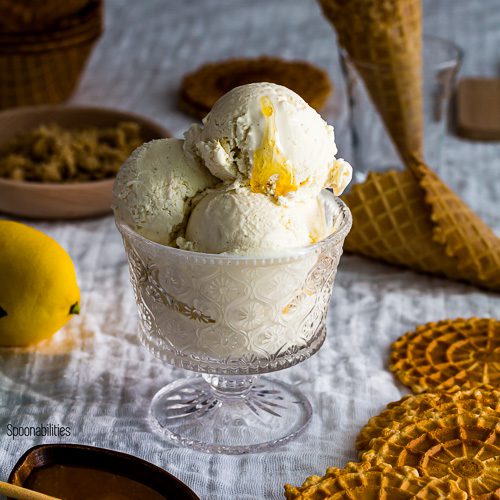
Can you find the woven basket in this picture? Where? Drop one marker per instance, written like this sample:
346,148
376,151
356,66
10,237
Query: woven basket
42,68
37,15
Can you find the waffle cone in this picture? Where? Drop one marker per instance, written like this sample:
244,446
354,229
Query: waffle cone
383,39
463,235
26,16
413,219
361,481
45,67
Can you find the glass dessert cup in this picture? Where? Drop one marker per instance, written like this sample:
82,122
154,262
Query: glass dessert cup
232,318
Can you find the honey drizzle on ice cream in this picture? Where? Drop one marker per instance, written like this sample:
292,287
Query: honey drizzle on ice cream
270,172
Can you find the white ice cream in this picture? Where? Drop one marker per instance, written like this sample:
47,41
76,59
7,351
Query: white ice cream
268,137
340,176
241,222
153,190
238,311
247,182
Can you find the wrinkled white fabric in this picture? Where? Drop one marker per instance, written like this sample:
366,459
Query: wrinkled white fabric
97,379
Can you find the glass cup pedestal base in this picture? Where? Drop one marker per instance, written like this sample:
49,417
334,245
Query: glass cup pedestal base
230,415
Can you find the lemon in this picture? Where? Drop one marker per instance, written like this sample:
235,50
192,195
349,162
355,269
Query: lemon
38,288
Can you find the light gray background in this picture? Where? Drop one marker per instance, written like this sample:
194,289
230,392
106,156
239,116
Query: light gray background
97,379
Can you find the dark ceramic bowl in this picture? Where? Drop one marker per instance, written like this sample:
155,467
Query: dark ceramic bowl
98,459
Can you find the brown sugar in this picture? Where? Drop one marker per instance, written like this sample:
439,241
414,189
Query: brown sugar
54,154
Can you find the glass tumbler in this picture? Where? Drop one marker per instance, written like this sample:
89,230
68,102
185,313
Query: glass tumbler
232,318
372,147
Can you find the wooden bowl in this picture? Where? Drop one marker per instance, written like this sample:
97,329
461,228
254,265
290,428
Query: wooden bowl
100,460
43,200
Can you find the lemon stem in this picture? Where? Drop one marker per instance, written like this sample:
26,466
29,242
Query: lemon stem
75,308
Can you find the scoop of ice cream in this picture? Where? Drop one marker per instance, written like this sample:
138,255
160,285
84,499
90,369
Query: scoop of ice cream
267,136
239,221
153,189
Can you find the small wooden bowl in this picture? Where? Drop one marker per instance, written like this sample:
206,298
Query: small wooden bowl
43,200
99,459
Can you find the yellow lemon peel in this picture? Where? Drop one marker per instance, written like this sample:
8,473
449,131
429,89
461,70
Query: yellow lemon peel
38,288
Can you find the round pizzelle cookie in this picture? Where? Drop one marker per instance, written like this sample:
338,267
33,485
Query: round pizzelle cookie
464,448
202,88
438,356
422,406
362,481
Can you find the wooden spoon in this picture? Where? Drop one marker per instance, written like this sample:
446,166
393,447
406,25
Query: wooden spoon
13,491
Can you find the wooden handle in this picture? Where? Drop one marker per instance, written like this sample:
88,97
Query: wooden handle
10,490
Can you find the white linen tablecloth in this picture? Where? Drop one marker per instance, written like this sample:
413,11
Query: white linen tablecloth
96,378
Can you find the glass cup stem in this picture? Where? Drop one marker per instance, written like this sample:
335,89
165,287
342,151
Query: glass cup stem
229,387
